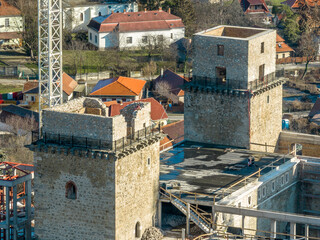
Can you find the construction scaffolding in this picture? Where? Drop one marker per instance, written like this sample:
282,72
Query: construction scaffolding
15,201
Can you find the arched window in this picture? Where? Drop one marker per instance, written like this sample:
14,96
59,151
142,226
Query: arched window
71,190
138,230
81,16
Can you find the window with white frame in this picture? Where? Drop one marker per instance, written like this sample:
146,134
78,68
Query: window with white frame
90,36
129,40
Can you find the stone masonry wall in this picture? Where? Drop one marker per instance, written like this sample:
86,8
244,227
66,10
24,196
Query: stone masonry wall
92,214
137,190
206,57
266,119
84,125
217,118
256,58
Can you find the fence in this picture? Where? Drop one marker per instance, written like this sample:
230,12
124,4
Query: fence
296,60
91,143
229,84
8,71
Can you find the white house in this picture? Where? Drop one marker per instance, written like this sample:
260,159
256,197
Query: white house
11,25
76,18
133,30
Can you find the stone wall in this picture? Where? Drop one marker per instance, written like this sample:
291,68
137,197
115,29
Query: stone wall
310,143
92,214
137,190
256,58
266,119
206,59
216,118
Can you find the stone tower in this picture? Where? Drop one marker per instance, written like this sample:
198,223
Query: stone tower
97,177
235,98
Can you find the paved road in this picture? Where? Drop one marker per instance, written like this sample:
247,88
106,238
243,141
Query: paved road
297,66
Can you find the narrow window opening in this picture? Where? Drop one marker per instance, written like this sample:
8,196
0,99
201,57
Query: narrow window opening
273,186
149,161
71,190
264,193
220,50
249,200
138,230
268,99
99,14
262,47
81,16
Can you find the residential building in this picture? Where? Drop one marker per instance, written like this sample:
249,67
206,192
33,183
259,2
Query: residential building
101,178
31,90
283,50
174,135
119,89
158,113
234,98
11,25
295,5
257,9
135,30
78,16
18,112
172,84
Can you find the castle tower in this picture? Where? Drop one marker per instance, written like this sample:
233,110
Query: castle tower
235,98
97,177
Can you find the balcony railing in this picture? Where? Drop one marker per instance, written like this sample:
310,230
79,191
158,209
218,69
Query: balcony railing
91,143
235,84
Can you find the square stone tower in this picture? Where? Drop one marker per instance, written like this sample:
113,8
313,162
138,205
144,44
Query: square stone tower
97,177
235,97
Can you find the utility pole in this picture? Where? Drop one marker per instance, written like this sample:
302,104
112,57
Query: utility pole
49,54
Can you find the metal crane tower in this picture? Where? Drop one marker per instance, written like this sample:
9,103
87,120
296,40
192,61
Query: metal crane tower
50,53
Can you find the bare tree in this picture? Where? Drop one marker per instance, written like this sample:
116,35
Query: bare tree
149,70
164,89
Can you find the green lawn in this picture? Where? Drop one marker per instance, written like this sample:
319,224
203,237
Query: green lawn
9,88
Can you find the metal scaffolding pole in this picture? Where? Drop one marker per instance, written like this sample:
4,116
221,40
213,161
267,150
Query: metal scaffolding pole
49,54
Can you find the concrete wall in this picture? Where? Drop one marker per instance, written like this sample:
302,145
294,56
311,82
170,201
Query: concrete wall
92,214
277,190
310,143
137,190
216,118
266,119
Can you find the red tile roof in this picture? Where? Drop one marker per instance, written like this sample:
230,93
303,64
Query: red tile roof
7,9
30,85
283,47
157,110
119,86
247,3
315,109
69,84
300,3
175,134
137,21
279,39
10,35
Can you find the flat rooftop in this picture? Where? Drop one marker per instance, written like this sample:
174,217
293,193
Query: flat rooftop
202,169
234,32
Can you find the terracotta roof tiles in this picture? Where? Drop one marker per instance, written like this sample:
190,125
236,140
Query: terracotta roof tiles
119,86
7,9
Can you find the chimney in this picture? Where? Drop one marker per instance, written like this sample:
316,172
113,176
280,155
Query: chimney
160,9
124,10
169,10
145,10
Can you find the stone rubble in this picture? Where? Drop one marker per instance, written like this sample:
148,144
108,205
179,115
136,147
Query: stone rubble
152,233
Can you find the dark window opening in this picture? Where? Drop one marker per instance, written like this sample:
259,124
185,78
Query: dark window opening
95,39
138,230
262,47
99,13
268,99
220,50
221,73
71,190
81,16
129,40
261,72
